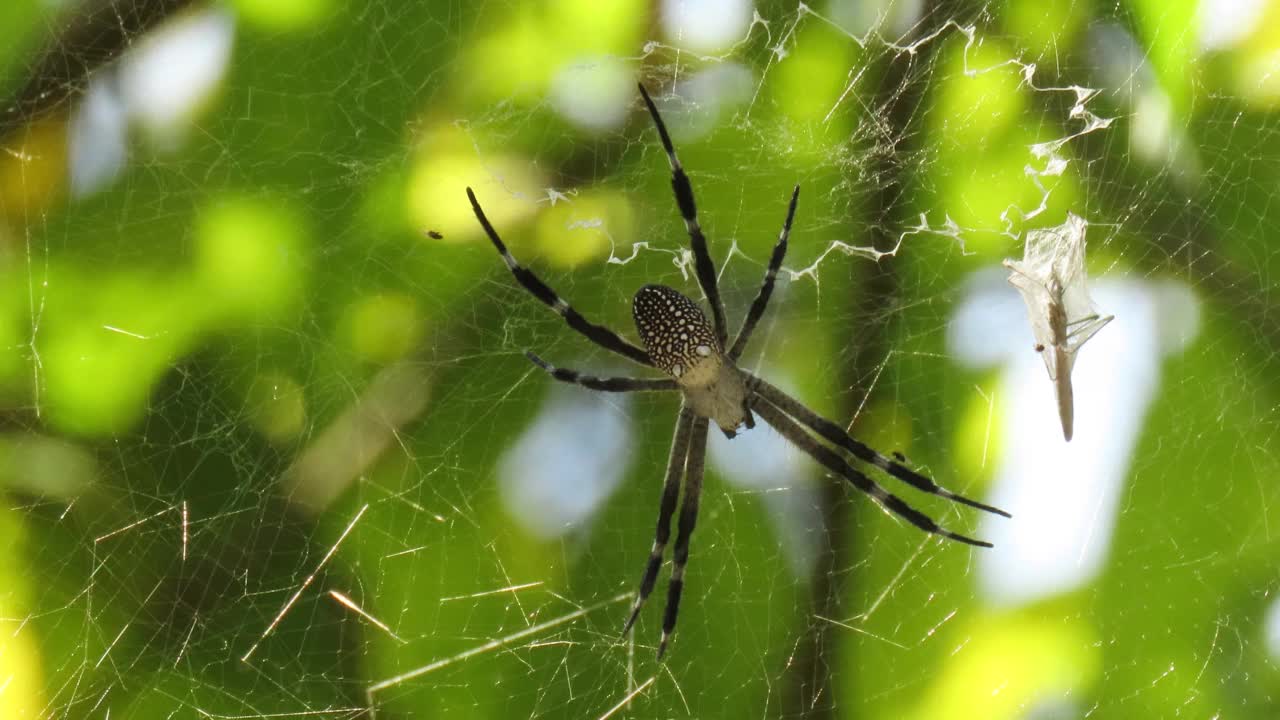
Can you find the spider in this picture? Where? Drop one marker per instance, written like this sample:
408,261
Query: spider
680,342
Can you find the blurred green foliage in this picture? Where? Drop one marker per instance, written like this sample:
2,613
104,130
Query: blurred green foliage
265,303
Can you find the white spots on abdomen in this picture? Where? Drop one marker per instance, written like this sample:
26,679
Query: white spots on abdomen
677,335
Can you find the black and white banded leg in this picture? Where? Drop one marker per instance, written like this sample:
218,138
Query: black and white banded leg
688,518
836,435
704,267
606,384
670,492
599,334
766,289
832,461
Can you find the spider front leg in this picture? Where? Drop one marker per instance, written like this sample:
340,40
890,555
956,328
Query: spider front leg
688,518
670,491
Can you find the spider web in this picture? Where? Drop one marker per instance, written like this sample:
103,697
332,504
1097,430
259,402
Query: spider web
271,447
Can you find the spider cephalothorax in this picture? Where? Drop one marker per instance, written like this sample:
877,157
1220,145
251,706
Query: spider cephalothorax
680,342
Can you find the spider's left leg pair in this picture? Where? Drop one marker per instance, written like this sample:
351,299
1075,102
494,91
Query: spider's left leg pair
836,435
832,432
832,461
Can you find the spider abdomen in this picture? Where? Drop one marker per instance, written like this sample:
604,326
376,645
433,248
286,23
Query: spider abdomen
683,344
679,339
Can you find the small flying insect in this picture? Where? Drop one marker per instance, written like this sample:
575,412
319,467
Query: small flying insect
1054,285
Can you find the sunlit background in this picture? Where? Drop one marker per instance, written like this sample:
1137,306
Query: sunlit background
270,446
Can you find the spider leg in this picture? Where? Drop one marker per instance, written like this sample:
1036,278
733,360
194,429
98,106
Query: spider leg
688,518
598,334
605,384
762,298
836,464
836,435
705,268
670,492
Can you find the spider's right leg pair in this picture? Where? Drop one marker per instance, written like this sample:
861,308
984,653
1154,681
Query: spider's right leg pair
787,411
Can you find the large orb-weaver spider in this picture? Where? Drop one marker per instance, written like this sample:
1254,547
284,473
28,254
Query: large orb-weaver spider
680,342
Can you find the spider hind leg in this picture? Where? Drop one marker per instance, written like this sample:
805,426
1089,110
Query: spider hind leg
683,189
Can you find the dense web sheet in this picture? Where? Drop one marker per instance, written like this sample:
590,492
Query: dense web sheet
272,448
